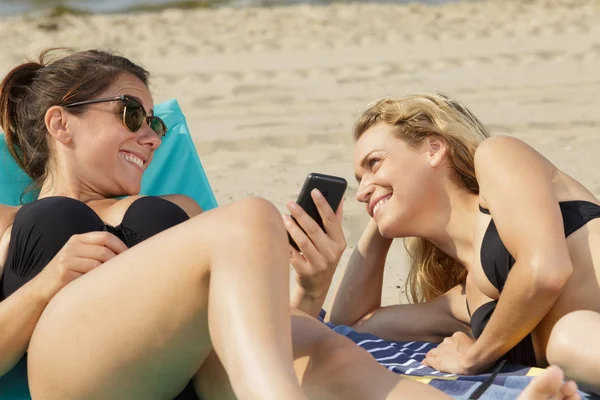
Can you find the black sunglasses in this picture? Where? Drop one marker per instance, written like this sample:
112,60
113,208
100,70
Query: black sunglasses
134,114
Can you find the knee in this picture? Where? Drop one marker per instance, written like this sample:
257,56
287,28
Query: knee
258,208
570,336
256,215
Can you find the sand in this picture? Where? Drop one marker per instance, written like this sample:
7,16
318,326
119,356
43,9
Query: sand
271,94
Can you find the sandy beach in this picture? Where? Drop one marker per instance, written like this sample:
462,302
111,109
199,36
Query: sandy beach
271,94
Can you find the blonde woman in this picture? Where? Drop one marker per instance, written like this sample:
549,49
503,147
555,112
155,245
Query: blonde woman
505,247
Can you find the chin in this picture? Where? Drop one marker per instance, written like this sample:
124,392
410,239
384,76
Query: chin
385,229
391,227
131,189
134,192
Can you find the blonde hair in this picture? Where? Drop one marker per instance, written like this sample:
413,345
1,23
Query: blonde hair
414,118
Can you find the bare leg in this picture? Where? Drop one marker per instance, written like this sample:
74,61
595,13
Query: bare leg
574,346
329,366
550,386
141,325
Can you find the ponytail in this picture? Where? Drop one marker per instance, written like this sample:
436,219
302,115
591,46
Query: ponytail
15,91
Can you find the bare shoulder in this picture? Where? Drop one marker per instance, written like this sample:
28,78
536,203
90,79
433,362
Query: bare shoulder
500,149
503,161
189,205
7,217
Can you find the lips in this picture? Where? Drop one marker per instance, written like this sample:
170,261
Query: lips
377,203
135,159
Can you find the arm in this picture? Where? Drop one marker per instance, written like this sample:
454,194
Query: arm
358,300
359,292
516,184
20,312
321,251
431,321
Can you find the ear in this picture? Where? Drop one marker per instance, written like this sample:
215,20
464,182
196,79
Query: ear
436,150
56,119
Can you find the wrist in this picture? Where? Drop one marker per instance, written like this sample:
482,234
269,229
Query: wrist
43,288
312,295
308,302
372,243
473,361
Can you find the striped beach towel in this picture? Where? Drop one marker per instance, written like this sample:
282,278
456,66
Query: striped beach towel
503,381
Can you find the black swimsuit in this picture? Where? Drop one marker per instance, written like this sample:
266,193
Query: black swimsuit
42,228
497,263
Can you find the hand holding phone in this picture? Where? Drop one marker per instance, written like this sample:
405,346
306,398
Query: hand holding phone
316,223
332,188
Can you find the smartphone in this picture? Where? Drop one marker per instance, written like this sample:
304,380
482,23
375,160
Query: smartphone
332,188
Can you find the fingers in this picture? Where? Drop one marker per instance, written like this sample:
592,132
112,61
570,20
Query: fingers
85,265
331,242
429,361
101,238
429,357
305,245
299,262
308,224
332,221
94,252
432,352
89,256
569,391
89,250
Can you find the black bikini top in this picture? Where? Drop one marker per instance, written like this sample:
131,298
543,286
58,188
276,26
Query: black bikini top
41,229
495,257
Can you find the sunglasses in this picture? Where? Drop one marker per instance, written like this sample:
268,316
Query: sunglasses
134,114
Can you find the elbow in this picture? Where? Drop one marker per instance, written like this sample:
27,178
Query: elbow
551,277
362,320
341,318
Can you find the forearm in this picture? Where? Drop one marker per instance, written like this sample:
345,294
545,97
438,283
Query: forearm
520,309
425,322
19,314
359,292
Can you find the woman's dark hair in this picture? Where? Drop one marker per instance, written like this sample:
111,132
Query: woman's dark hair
30,89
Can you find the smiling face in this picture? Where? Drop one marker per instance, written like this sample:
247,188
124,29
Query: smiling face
397,182
103,155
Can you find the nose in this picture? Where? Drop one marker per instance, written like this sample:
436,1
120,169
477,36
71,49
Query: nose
147,137
365,190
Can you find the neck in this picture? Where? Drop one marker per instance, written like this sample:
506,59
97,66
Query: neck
68,186
451,228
